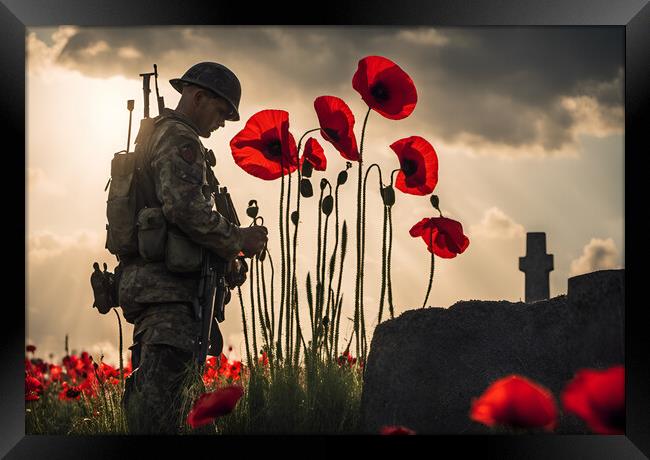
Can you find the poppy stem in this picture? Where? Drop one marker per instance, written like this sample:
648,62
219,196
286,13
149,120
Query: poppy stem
317,310
363,252
243,317
300,142
339,296
430,273
383,264
288,243
263,322
358,301
282,277
270,321
333,267
254,333
388,264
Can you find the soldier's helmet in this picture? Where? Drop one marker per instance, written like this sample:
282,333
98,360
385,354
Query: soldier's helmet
215,77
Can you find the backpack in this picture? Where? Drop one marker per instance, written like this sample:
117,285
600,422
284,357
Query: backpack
131,188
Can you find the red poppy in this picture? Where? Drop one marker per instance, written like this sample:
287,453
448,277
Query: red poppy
265,148
516,402
418,161
395,430
385,87
264,359
215,404
30,348
337,125
598,397
33,388
444,237
69,392
314,154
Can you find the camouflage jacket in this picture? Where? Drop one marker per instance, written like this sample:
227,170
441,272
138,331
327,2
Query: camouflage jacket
176,159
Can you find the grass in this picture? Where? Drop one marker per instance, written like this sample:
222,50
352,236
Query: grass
318,397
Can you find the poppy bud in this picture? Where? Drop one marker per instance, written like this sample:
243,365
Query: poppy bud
307,168
262,255
343,178
306,189
327,205
323,183
388,195
252,209
435,202
348,165
294,217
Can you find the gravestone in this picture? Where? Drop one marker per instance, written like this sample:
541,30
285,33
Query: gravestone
426,366
536,266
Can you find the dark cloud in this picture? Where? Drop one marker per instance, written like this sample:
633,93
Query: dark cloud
500,85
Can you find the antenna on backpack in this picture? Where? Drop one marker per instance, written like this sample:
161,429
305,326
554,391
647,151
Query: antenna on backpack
159,98
129,106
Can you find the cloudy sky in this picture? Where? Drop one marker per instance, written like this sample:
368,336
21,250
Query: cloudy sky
528,124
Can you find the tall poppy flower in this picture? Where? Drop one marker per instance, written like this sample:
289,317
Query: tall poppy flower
418,161
598,397
314,154
215,404
265,148
337,125
516,402
385,87
444,237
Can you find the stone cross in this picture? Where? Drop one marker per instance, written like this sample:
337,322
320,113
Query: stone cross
536,267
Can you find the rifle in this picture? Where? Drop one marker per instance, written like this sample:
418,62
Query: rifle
213,289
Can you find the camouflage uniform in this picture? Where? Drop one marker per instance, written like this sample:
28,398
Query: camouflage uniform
157,301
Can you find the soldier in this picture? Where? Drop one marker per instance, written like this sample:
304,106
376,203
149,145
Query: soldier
172,177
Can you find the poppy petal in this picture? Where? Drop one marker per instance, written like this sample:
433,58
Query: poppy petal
385,87
265,148
598,397
337,125
215,404
516,402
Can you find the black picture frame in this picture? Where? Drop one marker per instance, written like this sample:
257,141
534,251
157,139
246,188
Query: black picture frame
632,15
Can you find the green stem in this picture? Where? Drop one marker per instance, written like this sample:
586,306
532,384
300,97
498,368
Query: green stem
426,297
383,265
254,333
388,263
243,316
357,299
265,334
283,279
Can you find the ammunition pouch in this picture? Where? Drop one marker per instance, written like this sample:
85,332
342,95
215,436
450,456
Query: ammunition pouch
182,255
105,288
152,234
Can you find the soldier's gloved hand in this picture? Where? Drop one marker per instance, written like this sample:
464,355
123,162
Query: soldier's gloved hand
236,275
253,239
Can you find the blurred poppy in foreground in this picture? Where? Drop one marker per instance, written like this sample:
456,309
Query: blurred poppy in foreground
215,404
516,402
444,237
337,125
418,161
395,430
265,148
598,397
385,87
